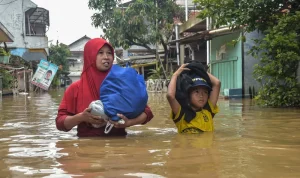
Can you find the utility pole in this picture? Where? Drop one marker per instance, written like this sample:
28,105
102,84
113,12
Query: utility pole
156,45
177,44
186,10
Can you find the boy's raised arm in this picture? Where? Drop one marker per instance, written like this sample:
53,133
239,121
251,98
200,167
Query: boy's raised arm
175,106
216,85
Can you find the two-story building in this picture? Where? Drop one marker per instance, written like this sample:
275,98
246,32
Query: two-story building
28,24
24,25
229,62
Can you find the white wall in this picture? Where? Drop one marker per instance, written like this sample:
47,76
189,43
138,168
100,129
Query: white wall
182,2
13,18
76,50
74,78
79,46
76,66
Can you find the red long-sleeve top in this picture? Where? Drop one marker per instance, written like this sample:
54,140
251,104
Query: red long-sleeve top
80,94
85,129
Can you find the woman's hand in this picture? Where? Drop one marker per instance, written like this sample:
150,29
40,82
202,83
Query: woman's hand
130,122
86,116
127,122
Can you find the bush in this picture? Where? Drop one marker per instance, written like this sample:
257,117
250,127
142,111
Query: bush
7,78
280,57
3,52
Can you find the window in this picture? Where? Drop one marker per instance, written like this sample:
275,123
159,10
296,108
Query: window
36,21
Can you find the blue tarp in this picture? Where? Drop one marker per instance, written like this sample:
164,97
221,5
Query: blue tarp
123,91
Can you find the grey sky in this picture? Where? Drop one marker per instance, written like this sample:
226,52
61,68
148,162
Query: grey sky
69,20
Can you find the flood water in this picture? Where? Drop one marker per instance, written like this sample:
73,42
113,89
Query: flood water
248,141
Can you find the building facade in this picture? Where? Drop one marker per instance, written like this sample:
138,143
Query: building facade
23,27
27,23
76,59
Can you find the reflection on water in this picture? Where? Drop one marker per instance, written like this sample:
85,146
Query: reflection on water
248,142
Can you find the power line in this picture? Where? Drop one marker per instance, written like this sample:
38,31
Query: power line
8,2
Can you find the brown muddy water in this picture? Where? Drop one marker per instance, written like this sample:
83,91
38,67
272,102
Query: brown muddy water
248,141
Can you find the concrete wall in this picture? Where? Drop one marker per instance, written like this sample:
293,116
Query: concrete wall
13,18
182,2
76,66
249,62
74,78
78,46
76,50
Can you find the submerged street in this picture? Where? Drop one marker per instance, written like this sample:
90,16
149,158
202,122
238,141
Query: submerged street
248,141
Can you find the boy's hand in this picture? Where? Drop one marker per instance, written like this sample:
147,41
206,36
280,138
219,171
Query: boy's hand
180,69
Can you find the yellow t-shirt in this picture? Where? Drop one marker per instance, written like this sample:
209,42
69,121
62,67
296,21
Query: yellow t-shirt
203,120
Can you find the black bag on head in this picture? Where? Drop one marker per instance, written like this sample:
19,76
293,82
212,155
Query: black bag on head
184,82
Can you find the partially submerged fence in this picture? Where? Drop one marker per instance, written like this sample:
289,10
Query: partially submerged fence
157,85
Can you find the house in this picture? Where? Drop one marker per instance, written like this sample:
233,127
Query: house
27,23
213,47
23,27
76,59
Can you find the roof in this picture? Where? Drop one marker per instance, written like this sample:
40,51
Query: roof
126,3
82,38
144,61
5,35
75,74
204,35
182,2
29,55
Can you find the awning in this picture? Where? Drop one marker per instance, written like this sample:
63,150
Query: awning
38,16
204,35
29,55
5,35
143,65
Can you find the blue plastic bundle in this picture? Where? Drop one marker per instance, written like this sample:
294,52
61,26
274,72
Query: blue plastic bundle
123,91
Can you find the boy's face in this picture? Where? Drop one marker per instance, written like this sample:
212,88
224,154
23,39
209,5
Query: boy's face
198,97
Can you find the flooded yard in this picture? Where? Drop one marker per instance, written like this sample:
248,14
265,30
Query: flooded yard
248,141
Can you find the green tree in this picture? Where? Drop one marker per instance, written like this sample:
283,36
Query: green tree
278,52
58,55
279,61
142,23
250,14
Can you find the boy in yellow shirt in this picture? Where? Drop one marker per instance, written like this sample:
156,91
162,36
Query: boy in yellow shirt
201,99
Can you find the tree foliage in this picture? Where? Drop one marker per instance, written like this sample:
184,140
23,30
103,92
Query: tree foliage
7,78
251,14
58,55
279,61
278,52
142,23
